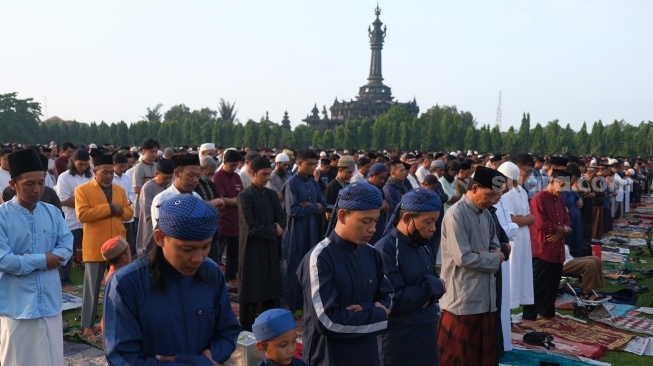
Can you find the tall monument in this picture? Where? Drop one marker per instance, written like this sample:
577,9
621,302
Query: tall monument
374,98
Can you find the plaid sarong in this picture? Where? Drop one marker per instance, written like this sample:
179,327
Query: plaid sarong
467,339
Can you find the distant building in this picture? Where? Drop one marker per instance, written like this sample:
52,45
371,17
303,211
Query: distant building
374,98
285,122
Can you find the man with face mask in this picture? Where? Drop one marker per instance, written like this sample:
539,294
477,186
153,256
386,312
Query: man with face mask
102,207
279,175
409,265
470,258
209,192
548,242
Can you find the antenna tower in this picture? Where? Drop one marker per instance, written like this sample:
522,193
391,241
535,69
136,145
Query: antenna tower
499,112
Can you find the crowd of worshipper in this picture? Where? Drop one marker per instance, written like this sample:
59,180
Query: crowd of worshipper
387,258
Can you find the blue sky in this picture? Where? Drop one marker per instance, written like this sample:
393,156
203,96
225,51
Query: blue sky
561,59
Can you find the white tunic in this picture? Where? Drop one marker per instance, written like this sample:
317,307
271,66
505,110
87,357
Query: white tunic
156,202
504,210
521,265
65,189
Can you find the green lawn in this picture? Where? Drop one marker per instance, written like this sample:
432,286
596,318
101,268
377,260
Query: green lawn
622,358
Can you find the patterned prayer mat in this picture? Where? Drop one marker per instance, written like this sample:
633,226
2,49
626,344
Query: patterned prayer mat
562,346
630,322
74,334
574,331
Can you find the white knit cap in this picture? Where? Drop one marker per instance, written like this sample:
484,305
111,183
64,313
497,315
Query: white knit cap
510,170
207,146
281,158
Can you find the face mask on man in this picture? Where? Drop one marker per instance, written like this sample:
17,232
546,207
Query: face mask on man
417,237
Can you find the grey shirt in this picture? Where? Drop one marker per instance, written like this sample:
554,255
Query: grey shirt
276,183
145,230
468,267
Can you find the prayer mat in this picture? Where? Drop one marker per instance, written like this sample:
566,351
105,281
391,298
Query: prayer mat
562,346
528,358
74,334
78,290
631,323
574,331
70,301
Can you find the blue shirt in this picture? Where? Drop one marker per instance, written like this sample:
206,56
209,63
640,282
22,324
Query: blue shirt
29,290
183,318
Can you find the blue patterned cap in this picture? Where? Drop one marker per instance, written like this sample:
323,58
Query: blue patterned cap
357,196
187,217
417,200
273,323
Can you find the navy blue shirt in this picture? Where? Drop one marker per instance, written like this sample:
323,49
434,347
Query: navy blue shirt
336,274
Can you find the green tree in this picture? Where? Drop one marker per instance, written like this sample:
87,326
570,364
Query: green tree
596,138
405,135
153,114
612,134
538,145
365,134
497,142
103,133
485,139
552,137
581,140
510,141
523,136
340,137
567,139
317,141
227,111
351,133
470,142
175,113
19,118
328,140
250,139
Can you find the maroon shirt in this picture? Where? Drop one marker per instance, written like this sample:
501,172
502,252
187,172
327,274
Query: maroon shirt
60,165
228,185
550,213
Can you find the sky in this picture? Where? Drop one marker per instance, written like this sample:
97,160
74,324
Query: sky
569,60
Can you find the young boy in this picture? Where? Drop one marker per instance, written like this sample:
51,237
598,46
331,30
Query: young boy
276,337
115,252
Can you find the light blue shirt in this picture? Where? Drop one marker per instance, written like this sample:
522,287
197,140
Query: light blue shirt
29,290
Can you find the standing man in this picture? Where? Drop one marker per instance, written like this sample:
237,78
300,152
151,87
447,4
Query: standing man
102,207
377,176
78,173
424,168
162,177
394,187
186,175
5,176
246,172
172,307
470,259
262,221
207,149
447,181
304,205
61,163
346,295
279,175
363,170
124,180
548,242
346,167
462,183
229,186
145,170
409,265
34,242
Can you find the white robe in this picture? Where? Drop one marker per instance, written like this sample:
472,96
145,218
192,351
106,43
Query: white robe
504,210
521,265
32,341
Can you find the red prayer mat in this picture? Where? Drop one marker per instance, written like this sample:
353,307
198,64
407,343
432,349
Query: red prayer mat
563,345
575,331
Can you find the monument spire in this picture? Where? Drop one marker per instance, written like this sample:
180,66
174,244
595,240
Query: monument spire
377,36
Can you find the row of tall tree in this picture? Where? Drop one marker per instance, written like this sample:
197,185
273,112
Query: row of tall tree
439,128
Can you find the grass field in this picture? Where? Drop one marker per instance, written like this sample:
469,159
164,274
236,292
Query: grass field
622,358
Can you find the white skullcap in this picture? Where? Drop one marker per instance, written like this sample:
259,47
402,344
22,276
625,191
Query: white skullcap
207,146
626,163
510,170
133,149
631,171
282,158
612,161
92,146
323,153
160,153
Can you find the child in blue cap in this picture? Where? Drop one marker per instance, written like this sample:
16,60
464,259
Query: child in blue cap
276,337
